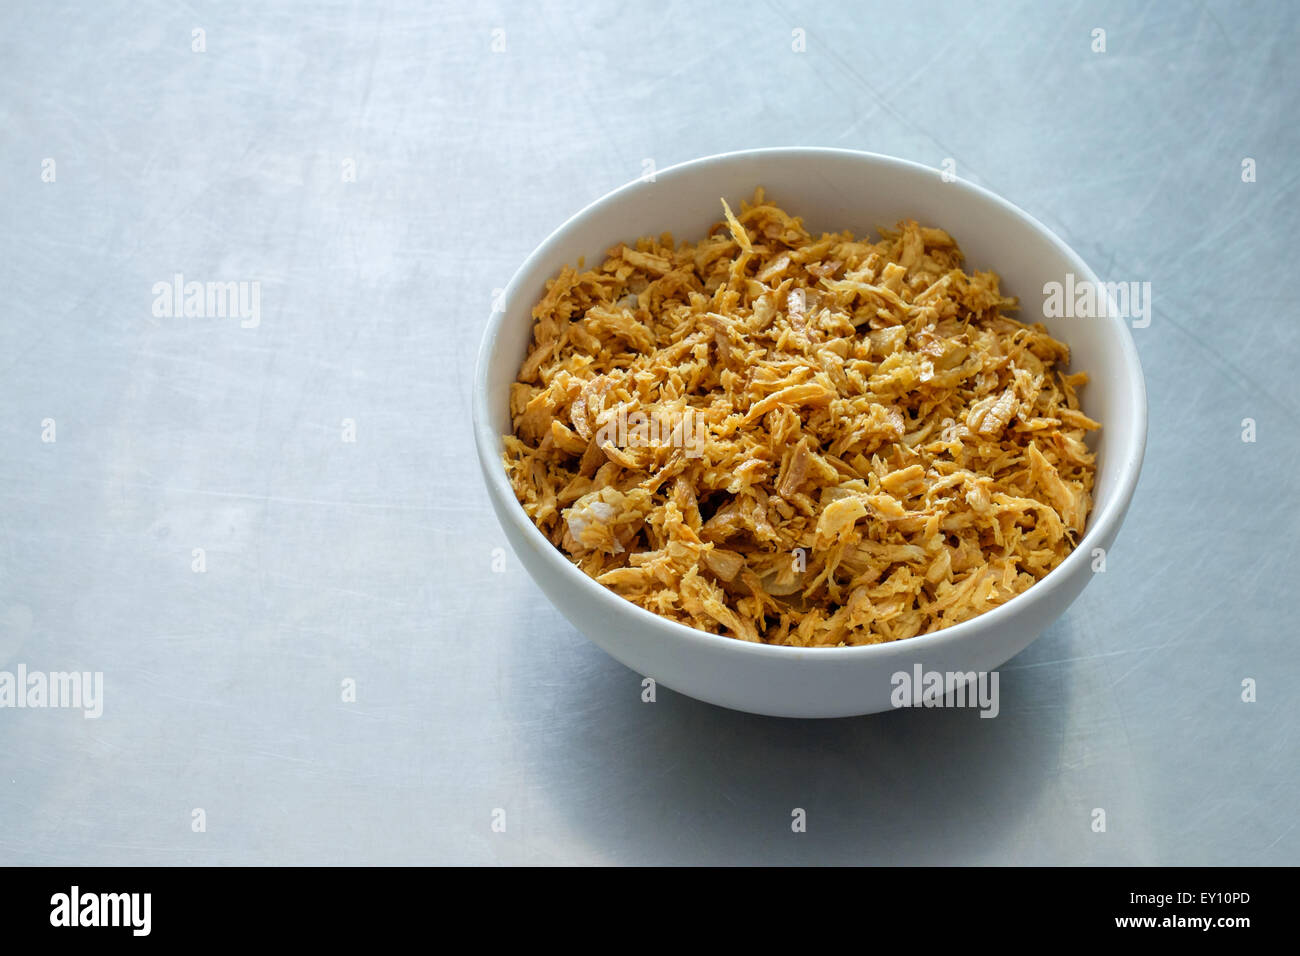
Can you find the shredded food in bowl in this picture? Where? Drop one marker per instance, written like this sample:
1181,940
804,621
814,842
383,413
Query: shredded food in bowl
798,439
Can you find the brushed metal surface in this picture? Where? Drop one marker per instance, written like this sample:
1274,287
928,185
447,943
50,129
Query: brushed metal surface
373,560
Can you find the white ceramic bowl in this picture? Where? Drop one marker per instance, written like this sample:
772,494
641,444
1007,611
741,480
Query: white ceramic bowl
832,190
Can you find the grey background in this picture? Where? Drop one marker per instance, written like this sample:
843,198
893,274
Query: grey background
372,560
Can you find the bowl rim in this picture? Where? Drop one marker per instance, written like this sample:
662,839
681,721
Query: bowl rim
1103,524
